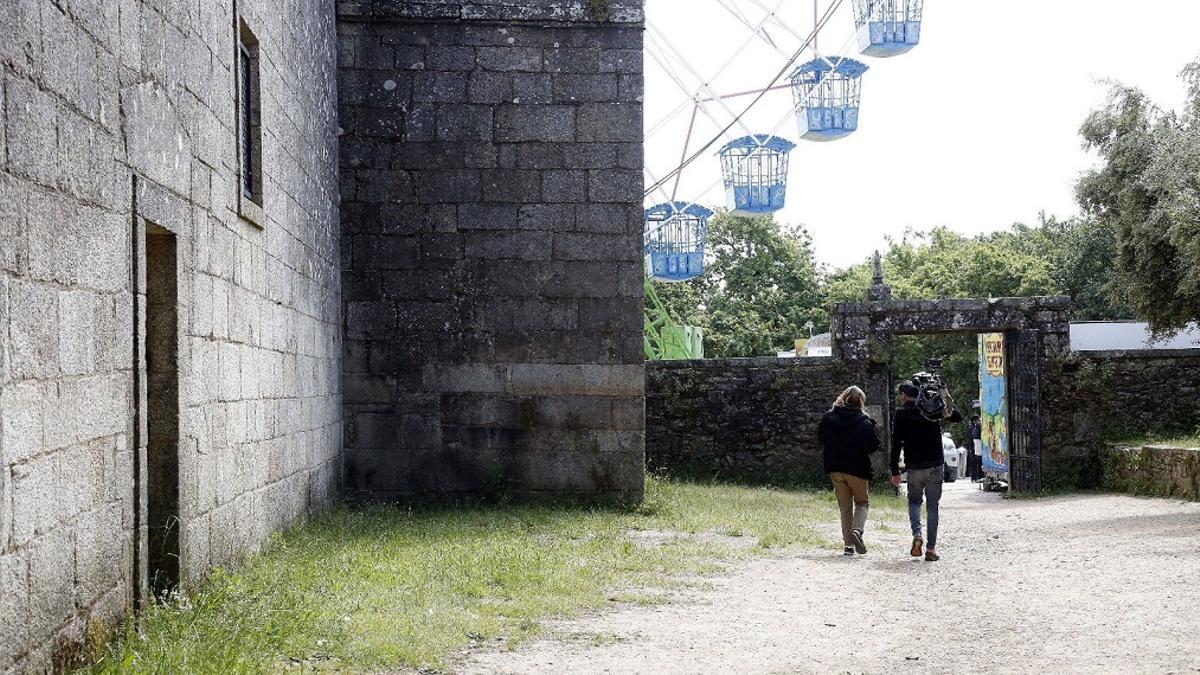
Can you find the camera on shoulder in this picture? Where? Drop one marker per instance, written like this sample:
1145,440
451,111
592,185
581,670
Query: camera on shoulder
933,397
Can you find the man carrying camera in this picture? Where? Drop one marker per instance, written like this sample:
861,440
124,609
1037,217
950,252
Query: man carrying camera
917,432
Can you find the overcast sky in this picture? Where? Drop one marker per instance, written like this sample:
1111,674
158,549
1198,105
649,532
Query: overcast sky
975,128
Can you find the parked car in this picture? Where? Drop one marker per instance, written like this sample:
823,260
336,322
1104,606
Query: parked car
950,453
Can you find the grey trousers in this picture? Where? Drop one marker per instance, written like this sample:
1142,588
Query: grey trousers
927,484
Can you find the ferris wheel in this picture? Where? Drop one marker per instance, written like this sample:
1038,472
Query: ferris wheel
825,103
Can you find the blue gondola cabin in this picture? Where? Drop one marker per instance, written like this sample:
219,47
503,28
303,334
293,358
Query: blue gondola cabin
887,27
674,235
754,169
827,92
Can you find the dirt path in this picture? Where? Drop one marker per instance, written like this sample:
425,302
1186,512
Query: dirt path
1095,583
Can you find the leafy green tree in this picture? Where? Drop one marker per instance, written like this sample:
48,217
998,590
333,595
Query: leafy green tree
1147,192
761,286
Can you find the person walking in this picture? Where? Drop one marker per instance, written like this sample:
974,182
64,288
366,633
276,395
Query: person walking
920,440
848,439
975,448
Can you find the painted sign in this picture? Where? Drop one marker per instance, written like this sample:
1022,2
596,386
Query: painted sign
993,403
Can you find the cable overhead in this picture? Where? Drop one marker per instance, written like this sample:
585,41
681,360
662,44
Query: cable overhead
738,119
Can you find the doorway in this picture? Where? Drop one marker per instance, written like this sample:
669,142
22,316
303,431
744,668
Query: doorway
160,409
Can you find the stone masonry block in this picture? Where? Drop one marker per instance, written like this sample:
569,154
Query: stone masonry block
31,132
464,123
564,186
14,607
511,186
14,254
620,186
33,331
487,216
606,247
98,554
51,580
585,88
77,323
455,378
532,88
607,218
510,59
439,87
614,122
519,245
454,187
546,216
543,123
77,245
547,379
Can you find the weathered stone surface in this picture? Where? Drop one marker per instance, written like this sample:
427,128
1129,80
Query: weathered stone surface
488,311
93,95
748,419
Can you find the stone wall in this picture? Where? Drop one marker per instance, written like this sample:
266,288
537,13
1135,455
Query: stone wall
95,95
1153,470
755,419
1102,395
491,165
751,419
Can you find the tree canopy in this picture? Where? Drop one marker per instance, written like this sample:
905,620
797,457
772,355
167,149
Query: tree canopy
1146,192
762,283
761,286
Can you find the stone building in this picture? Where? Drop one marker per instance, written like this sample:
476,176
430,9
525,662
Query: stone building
205,336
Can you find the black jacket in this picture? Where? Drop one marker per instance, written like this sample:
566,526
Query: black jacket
847,439
919,438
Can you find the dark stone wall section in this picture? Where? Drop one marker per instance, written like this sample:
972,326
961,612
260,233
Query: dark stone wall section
749,419
491,166
755,419
1102,395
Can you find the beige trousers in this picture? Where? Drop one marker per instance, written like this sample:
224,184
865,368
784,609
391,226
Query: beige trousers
853,502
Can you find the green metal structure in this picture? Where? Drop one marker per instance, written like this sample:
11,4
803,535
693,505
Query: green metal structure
663,337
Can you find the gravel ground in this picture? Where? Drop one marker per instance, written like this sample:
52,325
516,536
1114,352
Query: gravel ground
1093,583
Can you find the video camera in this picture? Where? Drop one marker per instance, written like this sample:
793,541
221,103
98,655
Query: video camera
933,397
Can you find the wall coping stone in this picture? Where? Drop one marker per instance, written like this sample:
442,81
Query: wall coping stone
742,362
1062,302
1137,353
566,11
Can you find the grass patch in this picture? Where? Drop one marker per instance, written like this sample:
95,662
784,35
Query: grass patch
371,588
1173,440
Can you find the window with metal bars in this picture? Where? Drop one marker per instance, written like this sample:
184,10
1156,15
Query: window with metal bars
249,116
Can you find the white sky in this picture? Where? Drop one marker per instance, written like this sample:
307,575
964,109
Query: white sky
975,128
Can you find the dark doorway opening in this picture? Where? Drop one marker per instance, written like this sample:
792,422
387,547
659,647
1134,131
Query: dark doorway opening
161,409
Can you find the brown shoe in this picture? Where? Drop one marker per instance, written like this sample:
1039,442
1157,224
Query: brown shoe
931,556
916,547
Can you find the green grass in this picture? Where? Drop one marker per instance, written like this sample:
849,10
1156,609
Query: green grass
1173,440
372,588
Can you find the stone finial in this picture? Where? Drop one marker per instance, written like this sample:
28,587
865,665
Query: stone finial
878,289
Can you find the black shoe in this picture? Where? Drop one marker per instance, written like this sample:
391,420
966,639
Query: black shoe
858,541
849,550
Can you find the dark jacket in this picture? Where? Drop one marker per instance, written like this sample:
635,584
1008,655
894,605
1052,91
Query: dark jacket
920,439
848,438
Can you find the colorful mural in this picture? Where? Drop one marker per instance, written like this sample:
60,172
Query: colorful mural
993,403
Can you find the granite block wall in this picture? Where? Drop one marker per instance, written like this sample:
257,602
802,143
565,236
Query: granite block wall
751,419
117,121
491,180
1099,396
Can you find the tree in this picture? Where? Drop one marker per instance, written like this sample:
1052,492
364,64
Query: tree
1071,256
760,287
1147,193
